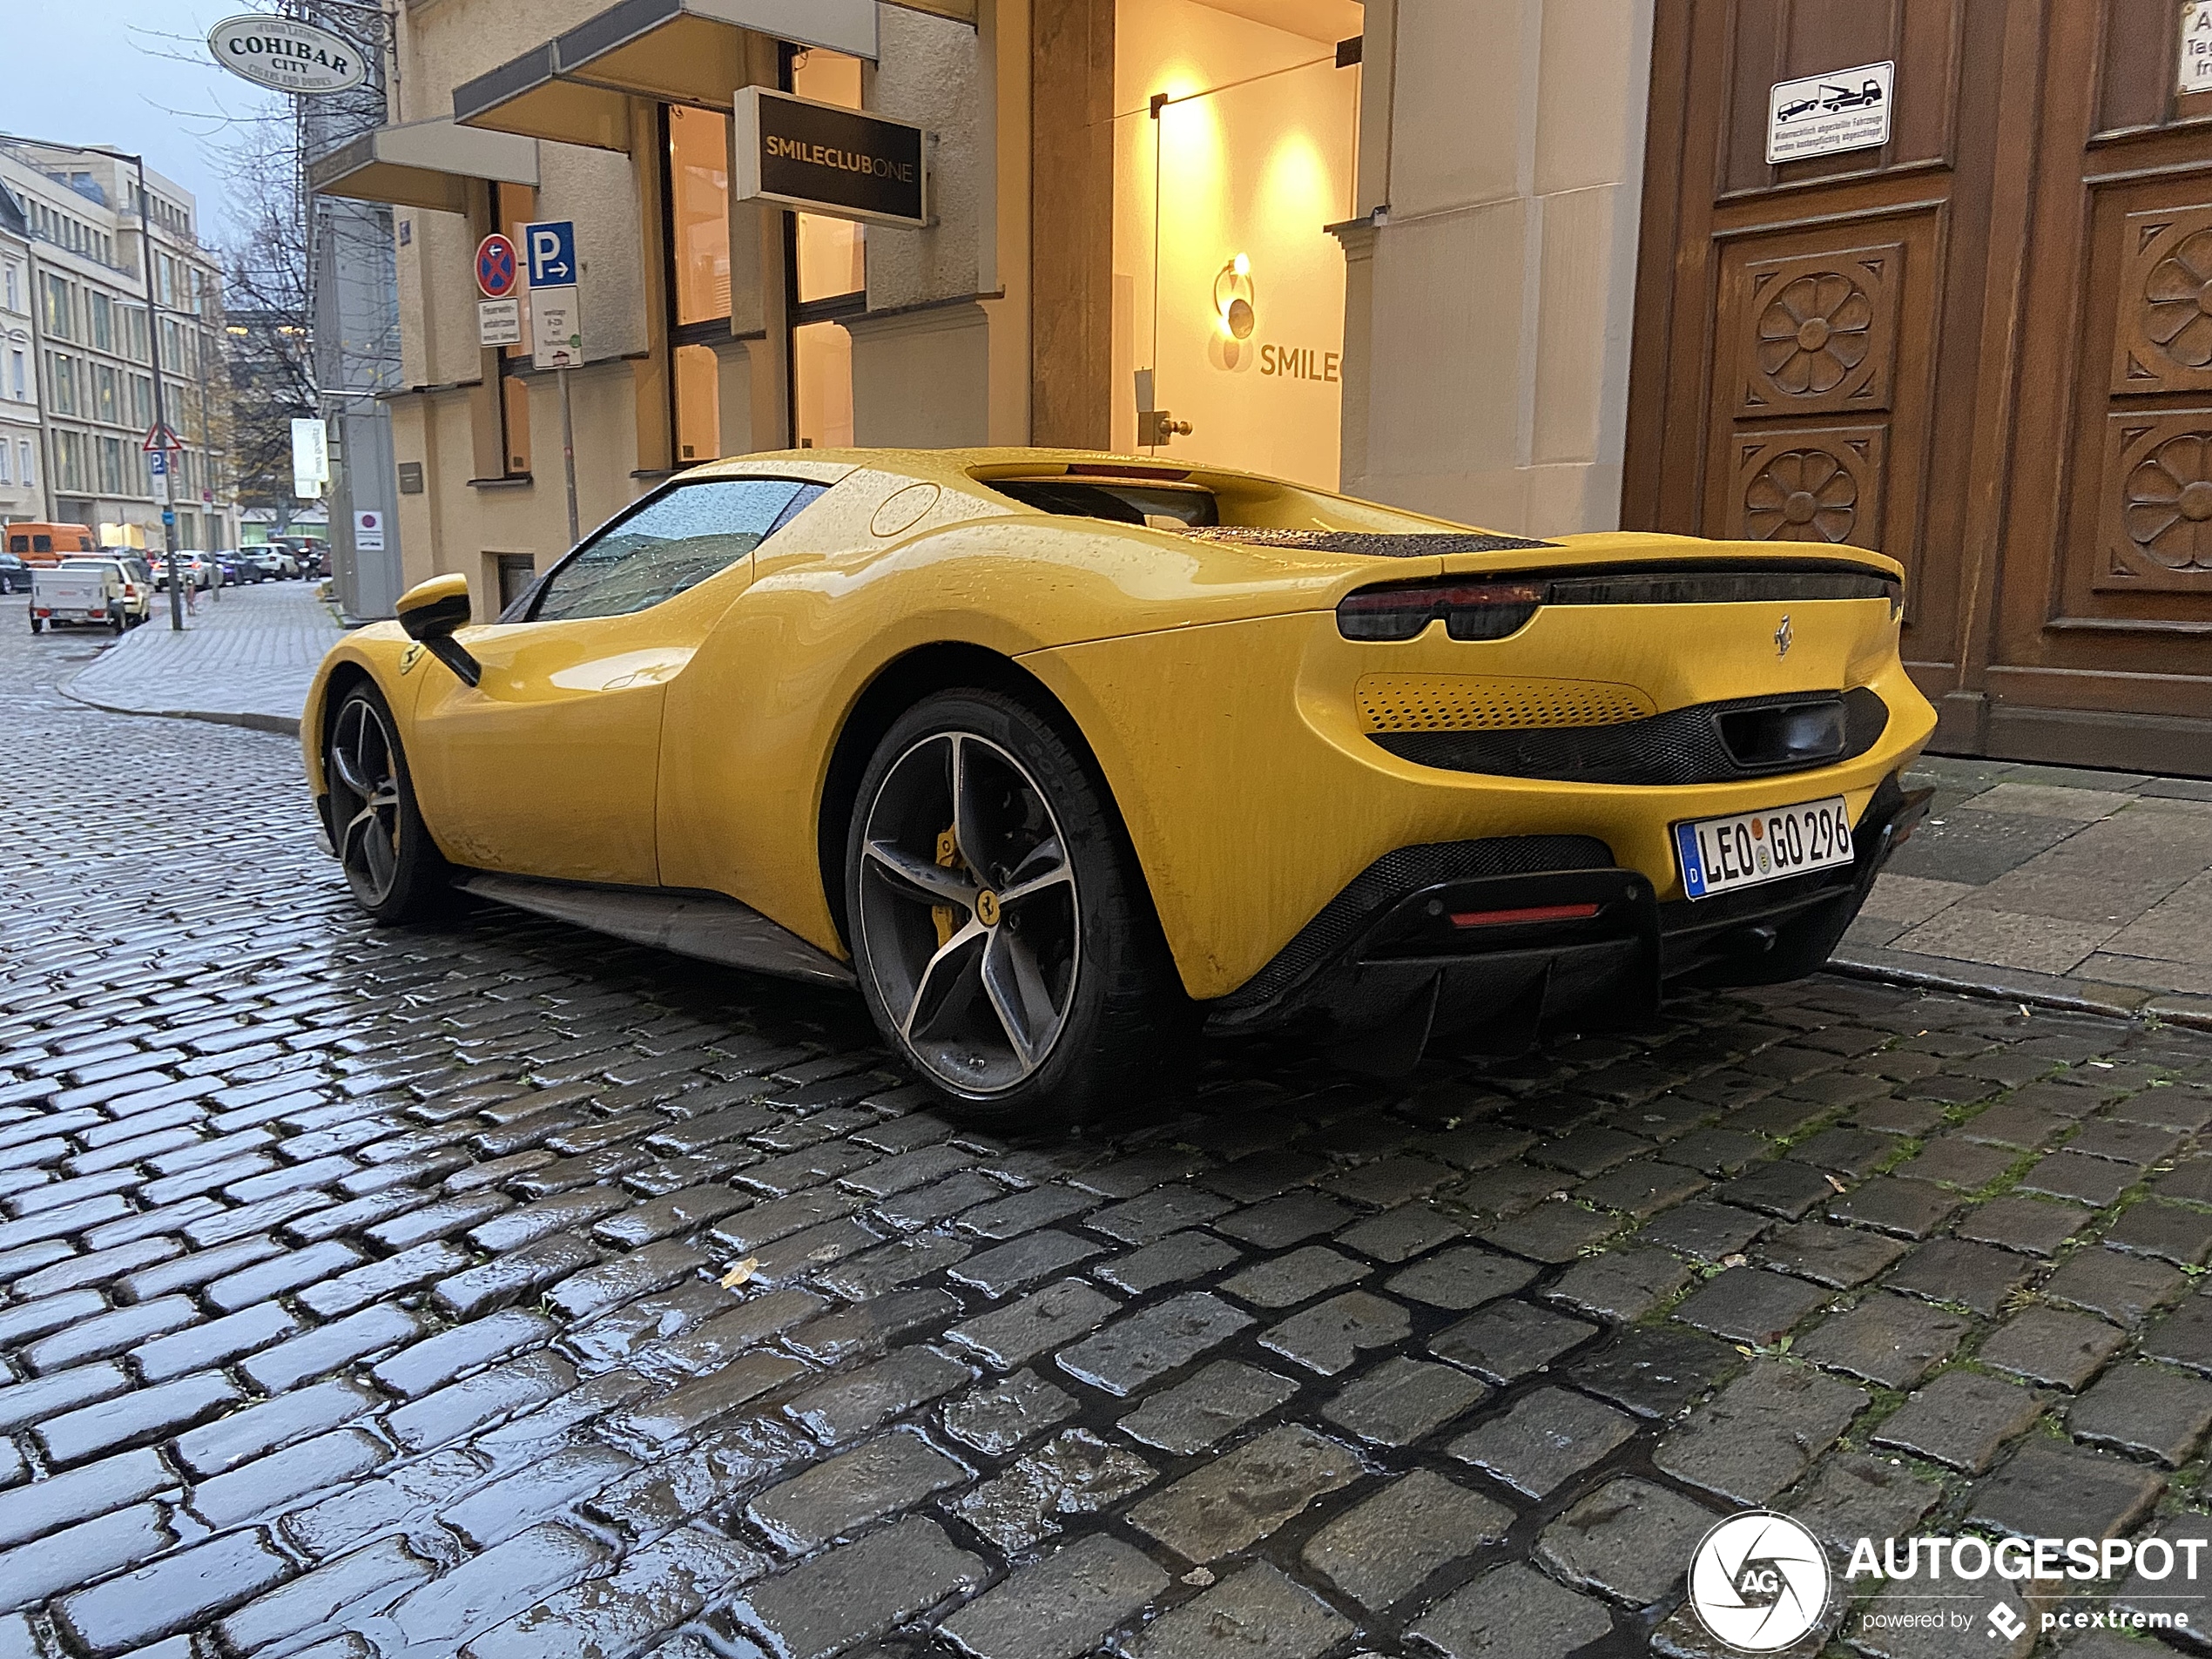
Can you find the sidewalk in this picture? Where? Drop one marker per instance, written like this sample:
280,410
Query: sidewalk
2051,885
246,659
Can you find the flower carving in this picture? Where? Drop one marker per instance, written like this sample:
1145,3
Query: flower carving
1814,332
2169,503
1801,495
2178,297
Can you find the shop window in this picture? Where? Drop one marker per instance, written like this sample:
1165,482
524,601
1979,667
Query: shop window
517,572
697,180
1234,145
822,364
827,262
699,404
699,201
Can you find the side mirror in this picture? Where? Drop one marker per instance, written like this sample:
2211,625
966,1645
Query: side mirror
430,611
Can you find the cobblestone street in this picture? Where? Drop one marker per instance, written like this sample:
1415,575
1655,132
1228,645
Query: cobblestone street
497,1290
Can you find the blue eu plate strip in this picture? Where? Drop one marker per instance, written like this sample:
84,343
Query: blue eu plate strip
1693,873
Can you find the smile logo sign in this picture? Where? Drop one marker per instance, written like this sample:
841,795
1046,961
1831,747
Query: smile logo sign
1759,1582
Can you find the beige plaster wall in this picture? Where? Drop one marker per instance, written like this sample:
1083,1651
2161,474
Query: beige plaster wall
922,379
1492,299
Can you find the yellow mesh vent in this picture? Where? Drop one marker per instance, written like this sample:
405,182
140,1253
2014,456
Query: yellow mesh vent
1479,703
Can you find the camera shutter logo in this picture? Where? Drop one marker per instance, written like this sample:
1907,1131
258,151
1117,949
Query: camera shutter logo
1758,1582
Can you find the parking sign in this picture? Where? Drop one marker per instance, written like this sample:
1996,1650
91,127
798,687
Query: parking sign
549,247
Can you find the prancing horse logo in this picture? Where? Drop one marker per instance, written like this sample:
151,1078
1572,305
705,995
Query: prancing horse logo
1782,637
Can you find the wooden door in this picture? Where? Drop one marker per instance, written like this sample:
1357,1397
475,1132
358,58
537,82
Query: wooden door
1985,347
2100,641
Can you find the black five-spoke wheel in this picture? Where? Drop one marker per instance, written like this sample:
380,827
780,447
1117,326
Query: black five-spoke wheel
1001,939
394,870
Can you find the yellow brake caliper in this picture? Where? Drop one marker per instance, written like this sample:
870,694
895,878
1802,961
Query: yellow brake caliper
944,915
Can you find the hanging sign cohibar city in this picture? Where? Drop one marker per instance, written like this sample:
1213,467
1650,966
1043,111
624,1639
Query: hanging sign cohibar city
285,55
823,158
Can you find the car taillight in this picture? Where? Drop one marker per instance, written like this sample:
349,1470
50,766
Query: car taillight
1471,611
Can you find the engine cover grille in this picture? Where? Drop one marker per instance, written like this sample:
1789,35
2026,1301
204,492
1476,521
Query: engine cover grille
1485,703
1686,745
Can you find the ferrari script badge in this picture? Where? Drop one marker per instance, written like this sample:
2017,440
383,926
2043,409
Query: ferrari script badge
1781,637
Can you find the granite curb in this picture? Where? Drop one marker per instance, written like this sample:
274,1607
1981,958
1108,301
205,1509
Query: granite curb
2056,991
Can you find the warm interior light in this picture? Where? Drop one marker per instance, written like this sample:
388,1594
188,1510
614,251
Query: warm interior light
1242,264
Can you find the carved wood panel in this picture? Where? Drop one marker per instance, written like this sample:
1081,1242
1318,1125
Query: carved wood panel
1817,332
1819,484
2164,303
2156,529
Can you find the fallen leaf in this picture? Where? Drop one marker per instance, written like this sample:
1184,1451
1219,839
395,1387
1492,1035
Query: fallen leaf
742,1272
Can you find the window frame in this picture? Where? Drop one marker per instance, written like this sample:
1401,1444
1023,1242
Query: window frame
525,608
707,331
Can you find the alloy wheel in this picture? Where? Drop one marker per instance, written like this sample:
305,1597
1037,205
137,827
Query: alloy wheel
967,912
365,800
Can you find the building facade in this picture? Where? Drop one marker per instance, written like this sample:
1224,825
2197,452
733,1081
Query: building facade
92,345
1547,268
23,494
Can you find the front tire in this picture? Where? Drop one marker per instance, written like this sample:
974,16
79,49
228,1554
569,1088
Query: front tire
1000,928
394,868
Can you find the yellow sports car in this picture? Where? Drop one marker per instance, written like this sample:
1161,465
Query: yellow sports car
1056,754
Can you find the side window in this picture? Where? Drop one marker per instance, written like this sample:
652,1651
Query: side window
672,542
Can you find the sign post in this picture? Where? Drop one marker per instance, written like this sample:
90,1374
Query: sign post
162,442
556,326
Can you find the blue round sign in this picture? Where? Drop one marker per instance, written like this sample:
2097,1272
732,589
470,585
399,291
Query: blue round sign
495,266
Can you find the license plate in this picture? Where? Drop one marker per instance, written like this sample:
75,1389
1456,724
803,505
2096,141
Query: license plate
1721,855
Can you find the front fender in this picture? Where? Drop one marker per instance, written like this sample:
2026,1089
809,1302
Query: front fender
382,653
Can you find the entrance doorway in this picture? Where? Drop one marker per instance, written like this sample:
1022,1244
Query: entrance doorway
1982,347
1235,132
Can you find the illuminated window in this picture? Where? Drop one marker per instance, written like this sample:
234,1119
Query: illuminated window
699,404
699,198
821,361
827,262
697,155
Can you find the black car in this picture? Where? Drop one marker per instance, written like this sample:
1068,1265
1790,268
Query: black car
15,575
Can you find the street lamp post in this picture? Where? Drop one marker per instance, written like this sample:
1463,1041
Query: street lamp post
161,399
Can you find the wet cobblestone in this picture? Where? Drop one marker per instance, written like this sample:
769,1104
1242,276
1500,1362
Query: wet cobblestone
370,1292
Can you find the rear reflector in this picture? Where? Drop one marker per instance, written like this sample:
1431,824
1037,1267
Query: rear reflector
1532,913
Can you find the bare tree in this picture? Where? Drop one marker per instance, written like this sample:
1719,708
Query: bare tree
268,309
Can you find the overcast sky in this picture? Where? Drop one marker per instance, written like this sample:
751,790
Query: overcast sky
108,72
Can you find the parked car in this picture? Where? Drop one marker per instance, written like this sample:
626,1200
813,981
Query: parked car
274,559
80,593
193,569
15,575
137,579
239,567
1055,756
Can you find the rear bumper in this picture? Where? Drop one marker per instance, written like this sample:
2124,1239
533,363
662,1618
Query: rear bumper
1560,932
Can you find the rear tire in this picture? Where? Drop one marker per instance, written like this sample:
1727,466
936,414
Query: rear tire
1001,930
392,865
